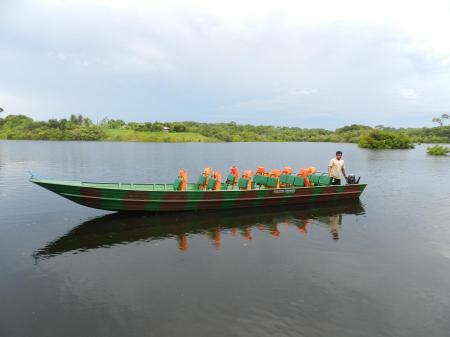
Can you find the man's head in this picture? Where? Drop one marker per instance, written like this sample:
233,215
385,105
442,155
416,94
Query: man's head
338,155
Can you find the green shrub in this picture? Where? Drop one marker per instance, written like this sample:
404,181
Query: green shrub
378,139
438,150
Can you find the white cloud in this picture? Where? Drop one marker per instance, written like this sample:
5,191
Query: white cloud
426,22
206,60
305,92
408,94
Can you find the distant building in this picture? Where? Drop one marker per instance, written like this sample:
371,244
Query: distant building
166,129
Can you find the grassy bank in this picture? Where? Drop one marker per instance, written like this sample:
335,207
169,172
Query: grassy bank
145,136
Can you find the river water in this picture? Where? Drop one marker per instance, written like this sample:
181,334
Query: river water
377,267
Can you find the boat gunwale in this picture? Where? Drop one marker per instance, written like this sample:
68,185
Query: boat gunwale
74,183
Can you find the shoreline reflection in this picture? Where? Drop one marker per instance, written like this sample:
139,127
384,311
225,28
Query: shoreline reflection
124,228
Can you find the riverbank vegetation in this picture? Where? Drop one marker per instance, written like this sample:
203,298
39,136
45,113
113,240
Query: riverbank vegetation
379,139
154,136
82,128
438,150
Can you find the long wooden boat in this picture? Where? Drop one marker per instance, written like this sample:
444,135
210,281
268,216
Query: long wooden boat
163,197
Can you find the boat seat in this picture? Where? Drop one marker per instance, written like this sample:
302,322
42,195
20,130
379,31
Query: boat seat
299,181
287,179
177,184
314,178
201,180
259,180
243,183
290,180
325,180
211,184
272,182
230,179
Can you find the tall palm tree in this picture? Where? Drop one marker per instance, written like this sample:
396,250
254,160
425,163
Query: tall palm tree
438,121
445,117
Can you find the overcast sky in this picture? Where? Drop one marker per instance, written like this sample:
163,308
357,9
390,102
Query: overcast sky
295,63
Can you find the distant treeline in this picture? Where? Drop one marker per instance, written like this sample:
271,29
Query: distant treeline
78,127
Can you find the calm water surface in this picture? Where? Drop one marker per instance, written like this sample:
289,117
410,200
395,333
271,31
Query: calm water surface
378,267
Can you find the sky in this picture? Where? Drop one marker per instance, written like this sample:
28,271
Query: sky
322,63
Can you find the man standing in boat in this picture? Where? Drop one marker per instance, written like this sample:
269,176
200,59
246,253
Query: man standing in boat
336,168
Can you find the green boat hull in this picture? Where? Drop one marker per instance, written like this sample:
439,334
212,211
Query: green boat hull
162,197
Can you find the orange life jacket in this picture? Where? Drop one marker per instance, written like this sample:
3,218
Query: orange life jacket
234,171
218,177
287,170
276,174
260,170
248,175
206,172
311,170
304,173
182,174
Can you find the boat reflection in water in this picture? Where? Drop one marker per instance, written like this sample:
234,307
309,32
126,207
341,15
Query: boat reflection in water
119,228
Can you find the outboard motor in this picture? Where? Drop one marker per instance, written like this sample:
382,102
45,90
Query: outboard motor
351,179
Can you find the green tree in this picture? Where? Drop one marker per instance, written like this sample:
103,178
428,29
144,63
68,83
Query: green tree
353,127
438,121
53,123
179,128
378,139
115,124
74,119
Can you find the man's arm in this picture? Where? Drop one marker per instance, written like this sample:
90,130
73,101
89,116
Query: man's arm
330,165
343,172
